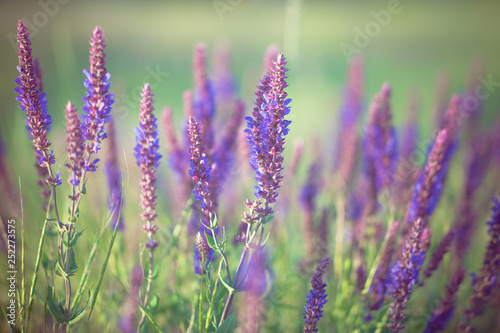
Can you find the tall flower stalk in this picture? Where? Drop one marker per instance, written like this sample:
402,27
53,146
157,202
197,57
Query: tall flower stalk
148,160
266,132
316,299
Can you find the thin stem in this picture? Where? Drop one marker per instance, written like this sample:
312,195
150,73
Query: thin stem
148,289
209,314
200,306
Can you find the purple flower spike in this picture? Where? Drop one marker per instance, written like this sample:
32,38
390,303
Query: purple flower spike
444,311
148,159
200,171
439,252
31,101
486,280
382,274
75,139
381,144
429,185
405,274
203,254
267,130
97,103
316,299
114,177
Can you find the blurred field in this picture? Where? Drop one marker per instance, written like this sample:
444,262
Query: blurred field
424,38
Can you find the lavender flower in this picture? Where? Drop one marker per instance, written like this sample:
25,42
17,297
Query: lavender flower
444,311
307,200
75,139
31,101
148,159
316,299
203,101
348,139
114,177
203,254
378,286
439,252
200,170
97,103
267,130
441,95
428,188
224,81
405,274
483,284
381,146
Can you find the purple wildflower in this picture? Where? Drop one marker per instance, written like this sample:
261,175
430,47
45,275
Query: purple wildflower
148,159
114,177
405,275
224,81
31,101
307,200
378,286
381,146
444,311
429,185
439,252
316,299
267,130
75,139
203,101
348,139
97,103
200,170
203,254
483,284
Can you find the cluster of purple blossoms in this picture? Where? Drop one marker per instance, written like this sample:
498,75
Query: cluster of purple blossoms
267,130
148,159
32,102
486,280
98,100
75,139
200,170
405,275
444,311
114,178
381,143
316,299
348,139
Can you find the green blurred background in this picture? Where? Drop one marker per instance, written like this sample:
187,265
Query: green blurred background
425,37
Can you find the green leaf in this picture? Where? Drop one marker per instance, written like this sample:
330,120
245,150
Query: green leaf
150,319
228,287
84,189
229,324
211,241
77,315
55,308
269,218
60,271
213,221
153,303
73,240
72,267
265,239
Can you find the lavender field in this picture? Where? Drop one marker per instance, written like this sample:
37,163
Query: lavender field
249,166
